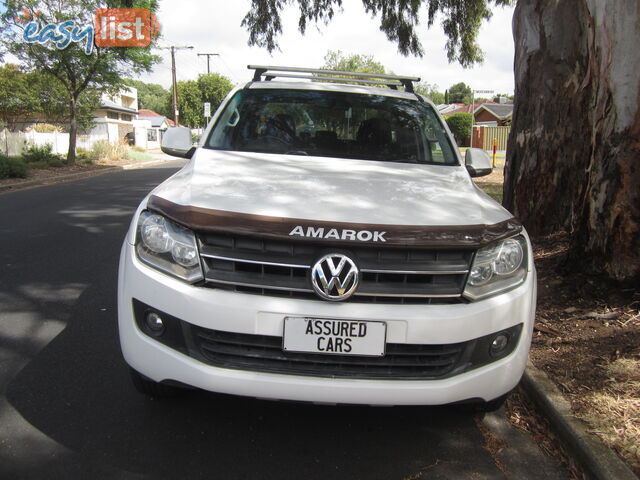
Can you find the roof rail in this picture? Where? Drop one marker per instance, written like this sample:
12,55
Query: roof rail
393,81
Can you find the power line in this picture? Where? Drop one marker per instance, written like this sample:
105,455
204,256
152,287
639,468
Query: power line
208,55
233,76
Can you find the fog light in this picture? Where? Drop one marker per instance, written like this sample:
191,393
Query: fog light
154,324
499,343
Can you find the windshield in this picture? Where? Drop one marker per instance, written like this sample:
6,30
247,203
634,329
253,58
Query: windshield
332,124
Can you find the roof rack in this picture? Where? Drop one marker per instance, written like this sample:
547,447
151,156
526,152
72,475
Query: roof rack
393,81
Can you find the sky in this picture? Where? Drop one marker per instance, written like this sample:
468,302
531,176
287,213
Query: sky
213,26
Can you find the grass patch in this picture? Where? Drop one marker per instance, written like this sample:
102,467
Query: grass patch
137,155
494,190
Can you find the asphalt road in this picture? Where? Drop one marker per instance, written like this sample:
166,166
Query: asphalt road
68,410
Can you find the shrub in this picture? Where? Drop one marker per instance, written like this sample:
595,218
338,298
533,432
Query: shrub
460,126
12,167
84,156
41,157
105,151
46,128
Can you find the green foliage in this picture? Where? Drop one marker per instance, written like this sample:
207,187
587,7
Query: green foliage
336,60
192,94
84,156
16,96
511,98
460,126
11,167
190,103
460,93
152,96
77,72
36,96
214,88
41,157
461,21
136,155
430,91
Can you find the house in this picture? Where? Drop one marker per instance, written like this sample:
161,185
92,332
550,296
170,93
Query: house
494,114
114,118
155,125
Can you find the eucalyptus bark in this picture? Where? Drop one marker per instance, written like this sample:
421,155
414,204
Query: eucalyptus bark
573,159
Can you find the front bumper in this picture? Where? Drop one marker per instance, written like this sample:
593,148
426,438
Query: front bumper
264,315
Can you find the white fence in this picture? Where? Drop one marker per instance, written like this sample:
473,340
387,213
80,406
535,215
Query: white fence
14,143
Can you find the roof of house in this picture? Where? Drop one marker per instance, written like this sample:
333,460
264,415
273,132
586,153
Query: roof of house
144,112
154,117
156,120
452,108
499,110
109,105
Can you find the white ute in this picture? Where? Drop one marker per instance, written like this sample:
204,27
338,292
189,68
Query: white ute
325,243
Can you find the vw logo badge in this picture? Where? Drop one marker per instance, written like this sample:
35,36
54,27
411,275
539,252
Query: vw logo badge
335,277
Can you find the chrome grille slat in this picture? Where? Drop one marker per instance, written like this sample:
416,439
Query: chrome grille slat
257,262
388,275
416,272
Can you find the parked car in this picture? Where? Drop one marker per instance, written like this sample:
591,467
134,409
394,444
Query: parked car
325,243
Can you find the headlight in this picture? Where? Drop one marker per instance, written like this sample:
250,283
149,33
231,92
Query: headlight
497,267
168,247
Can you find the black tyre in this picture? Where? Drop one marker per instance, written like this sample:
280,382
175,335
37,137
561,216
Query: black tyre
148,387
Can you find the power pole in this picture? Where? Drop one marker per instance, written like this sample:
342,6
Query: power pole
173,49
208,55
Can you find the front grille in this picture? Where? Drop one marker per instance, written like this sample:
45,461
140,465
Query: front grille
264,353
280,268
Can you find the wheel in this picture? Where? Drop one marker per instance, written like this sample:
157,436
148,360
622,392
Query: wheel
148,387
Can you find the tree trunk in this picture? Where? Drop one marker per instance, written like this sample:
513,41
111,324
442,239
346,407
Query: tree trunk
574,151
73,129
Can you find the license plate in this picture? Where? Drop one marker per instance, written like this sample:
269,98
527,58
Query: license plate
334,337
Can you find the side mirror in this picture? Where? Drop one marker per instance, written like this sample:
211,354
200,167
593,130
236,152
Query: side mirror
177,142
478,162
